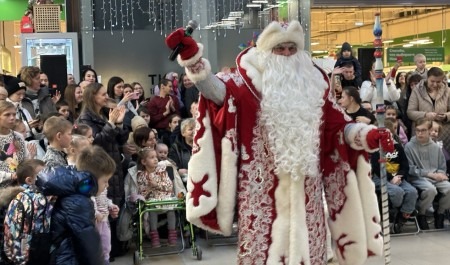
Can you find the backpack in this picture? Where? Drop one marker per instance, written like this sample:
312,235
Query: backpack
27,229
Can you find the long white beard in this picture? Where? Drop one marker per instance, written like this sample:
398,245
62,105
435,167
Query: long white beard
291,111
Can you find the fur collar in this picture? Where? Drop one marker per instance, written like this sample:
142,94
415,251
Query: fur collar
8,194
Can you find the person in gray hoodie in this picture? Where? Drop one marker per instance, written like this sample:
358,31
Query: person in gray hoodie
427,172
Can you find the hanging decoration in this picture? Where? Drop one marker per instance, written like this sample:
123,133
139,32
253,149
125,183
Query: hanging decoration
164,15
250,43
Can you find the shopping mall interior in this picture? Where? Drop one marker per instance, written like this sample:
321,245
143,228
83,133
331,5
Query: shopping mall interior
126,38
132,31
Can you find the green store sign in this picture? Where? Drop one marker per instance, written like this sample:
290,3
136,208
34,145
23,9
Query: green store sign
432,54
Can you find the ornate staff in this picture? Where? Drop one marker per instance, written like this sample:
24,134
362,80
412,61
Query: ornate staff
380,109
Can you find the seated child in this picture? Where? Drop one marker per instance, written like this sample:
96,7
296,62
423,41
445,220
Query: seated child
427,172
154,183
434,134
28,213
162,152
58,131
73,220
402,195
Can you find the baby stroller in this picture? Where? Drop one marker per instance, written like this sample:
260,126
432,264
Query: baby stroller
176,204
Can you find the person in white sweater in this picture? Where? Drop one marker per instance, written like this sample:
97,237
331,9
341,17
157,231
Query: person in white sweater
368,91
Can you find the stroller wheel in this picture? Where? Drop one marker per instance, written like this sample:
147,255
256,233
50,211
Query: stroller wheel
136,258
199,253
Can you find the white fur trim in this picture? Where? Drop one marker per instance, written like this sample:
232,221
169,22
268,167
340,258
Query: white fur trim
249,62
193,59
227,188
370,207
202,74
275,34
354,253
281,224
356,136
197,170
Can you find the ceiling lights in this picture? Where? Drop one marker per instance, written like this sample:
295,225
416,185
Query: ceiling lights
254,5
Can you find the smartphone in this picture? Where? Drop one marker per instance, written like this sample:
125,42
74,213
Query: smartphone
52,91
400,58
135,95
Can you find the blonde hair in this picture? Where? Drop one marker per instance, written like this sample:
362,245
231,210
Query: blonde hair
419,56
55,125
77,139
27,74
142,154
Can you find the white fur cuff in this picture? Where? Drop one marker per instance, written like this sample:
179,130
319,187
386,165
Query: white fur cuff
193,59
356,136
201,74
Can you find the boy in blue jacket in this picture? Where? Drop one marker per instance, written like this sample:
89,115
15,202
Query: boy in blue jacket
75,239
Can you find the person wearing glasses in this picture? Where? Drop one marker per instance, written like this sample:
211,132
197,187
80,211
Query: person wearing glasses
431,100
427,172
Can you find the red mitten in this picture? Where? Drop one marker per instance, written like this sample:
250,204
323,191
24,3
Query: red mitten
189,48
382,136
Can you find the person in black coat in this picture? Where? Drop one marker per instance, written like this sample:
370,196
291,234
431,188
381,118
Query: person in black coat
74,236
181,150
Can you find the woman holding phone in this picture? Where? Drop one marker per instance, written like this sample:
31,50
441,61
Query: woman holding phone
431,100
123,95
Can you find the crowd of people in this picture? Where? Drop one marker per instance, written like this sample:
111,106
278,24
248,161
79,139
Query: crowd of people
95,145
417,112
81,155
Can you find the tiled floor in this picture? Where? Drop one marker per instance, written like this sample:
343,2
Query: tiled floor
424,249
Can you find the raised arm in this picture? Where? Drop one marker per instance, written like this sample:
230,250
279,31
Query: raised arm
198,69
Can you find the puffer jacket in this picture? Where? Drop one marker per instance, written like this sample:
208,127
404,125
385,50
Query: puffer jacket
110,139
74,236
46,104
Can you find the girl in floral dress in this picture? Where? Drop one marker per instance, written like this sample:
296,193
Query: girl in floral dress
154,184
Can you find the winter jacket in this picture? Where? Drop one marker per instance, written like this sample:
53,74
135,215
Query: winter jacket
46,105
74,235
111,139
420,103
180,153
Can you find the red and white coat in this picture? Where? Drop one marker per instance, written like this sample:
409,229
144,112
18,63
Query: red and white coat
280,220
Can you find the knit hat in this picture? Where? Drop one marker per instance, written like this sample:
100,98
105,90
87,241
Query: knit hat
346,47
276,33
13,84
138,122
